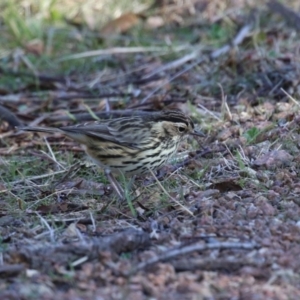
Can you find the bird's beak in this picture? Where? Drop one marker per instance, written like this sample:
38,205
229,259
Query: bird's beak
198,133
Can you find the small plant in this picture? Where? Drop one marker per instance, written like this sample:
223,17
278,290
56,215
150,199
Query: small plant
252,134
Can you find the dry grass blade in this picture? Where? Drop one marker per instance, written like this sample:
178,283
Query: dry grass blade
123,50
37,177
174,200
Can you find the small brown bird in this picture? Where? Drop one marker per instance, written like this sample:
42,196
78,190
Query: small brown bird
131,145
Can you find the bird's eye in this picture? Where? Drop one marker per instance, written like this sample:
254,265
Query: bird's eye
181,129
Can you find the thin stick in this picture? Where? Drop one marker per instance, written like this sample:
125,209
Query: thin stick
93,221
290,97
169,254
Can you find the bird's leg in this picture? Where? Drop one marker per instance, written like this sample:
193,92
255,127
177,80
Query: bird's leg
115,184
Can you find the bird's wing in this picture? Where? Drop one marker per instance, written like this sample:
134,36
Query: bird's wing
125,131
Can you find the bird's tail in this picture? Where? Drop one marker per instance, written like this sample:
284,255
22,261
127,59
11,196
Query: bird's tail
41,129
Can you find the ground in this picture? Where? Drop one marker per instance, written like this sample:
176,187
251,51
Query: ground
219,221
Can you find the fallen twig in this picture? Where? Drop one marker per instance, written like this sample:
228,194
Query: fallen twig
45,255
170,254
214,264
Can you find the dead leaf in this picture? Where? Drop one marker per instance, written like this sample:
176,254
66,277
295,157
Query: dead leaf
227,133
120,24
155,22
35,46
71,231
273,159
227,184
